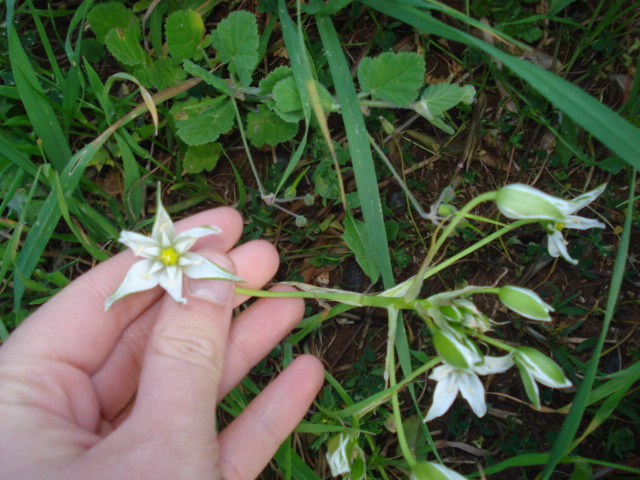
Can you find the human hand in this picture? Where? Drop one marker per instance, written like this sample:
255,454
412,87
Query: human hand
70,372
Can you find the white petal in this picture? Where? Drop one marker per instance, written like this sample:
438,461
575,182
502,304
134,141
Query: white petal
443,396
582,223
200,232
171,281
472,391
196,266
558,246
163,230
585,199
138,279
494,365
141,245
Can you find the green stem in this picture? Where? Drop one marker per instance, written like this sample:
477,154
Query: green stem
263,193
496,343
395,404
414,289
356,299
476,246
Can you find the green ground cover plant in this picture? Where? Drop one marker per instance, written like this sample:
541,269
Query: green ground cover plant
374,143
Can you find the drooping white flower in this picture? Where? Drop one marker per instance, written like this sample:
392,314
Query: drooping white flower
166,258
345,456
453,380
535,367
520,201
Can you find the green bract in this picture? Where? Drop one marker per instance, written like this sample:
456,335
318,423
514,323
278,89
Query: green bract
525,302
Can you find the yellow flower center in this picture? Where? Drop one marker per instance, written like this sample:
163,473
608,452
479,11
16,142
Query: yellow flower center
169,256
560,226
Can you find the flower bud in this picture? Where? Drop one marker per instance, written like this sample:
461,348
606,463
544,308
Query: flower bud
459,352
525,302
541,367
433,471
339,451
522,201
468,94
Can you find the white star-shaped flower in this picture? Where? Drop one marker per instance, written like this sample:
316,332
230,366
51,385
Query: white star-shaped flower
453,380
166,258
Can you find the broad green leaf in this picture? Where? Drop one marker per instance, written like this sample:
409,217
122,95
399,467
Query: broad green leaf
442,96
287,100
124,44
164,74
357,239
203,122
208,77
288,103
266,127
236,41
202,157
325,181
392,77
184,30
107,16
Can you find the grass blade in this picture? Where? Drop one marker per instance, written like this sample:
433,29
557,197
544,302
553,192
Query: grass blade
572,422
359,147
44,121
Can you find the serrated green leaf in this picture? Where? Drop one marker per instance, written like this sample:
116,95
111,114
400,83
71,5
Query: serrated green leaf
325,180
184,30
208,77
442,96
107,16
204,121
266,127
287,100
202,157
392,77
124,44
356,237
267,83
236,41
164,73
288,104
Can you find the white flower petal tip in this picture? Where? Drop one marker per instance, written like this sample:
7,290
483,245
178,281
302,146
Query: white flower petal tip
433,471
167,259
525,302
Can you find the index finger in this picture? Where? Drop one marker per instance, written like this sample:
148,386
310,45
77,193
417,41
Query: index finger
73,327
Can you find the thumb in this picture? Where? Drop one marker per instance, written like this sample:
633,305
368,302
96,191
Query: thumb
183,361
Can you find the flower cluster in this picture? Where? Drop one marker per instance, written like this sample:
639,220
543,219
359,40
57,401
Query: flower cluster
166,258
454,320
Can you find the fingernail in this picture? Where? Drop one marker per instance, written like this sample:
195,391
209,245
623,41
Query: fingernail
213,291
